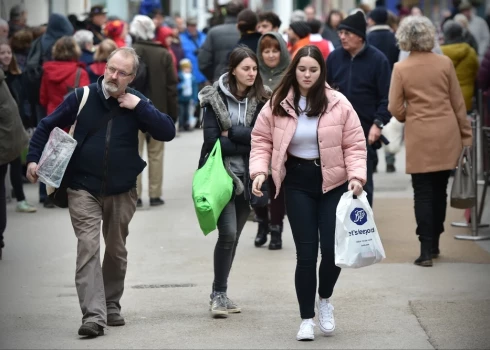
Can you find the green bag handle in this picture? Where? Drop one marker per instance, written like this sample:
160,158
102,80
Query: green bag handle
215,152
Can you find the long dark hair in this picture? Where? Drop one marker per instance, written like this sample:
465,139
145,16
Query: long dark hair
257,90
316,101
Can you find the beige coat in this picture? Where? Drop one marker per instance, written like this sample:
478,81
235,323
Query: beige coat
425,94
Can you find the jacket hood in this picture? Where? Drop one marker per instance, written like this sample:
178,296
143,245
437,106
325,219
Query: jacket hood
58,71
283,62
456,52
58,26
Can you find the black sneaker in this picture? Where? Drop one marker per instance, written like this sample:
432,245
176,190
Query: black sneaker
390,168
115,320
91,329
139,203
48,203
154,202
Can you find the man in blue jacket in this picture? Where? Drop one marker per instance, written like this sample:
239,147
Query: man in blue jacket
101,179
362,73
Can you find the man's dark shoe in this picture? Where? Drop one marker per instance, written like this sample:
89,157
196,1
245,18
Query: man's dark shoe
48,203
91,329
115,320
154,202
139,203
390,168
425,258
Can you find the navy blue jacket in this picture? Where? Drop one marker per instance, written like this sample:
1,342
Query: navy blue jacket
107,161
384,40
364,80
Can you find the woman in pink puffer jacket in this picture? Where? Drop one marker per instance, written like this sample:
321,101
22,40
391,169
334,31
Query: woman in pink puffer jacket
317,147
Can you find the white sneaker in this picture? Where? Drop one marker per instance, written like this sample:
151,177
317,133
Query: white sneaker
306,330
325,316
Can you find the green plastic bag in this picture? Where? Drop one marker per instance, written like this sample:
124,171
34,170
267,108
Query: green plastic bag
212,189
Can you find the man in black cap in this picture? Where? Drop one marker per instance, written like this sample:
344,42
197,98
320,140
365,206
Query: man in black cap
298,36
380,36
362,73
97,17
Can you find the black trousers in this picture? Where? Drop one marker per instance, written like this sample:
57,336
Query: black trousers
430,197
311,215
3,202
372,160
16,179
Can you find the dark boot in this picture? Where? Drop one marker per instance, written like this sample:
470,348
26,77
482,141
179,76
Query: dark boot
435,247
262,232
276,237
91,329
425,258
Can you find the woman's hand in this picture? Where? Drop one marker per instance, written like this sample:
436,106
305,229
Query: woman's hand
257,185
356,187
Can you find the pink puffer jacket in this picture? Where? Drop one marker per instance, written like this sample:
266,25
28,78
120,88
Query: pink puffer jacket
341,141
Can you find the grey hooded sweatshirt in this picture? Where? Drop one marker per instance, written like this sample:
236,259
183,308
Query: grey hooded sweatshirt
237,110
271,77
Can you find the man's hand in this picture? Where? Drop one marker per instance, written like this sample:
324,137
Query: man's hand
257,185
128,101
224,133
355,186
374,134
31,172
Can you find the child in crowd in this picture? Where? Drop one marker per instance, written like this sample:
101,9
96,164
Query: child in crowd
187,89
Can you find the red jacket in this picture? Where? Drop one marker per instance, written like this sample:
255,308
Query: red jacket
324,45
58,78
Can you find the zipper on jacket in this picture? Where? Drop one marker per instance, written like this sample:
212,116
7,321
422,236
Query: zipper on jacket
106,156
350,75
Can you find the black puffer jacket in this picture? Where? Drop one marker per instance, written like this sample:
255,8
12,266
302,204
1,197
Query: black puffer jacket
217,119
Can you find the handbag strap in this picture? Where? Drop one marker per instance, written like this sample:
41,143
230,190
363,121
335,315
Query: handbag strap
77,77
86,92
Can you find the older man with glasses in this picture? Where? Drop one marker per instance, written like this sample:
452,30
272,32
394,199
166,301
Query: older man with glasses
362,73
101,180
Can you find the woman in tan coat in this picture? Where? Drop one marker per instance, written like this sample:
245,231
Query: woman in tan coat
425,94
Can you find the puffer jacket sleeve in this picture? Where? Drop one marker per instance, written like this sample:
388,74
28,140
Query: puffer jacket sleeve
353,145
262,143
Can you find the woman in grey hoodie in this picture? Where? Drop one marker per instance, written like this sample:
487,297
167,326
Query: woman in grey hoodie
274,59
230,108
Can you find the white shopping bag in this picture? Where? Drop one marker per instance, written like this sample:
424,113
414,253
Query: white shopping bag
357,242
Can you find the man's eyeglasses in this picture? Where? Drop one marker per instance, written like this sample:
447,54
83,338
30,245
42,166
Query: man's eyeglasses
120,73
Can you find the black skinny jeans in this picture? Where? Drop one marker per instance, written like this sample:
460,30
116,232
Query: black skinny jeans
16,179
230,225
3,202
430,196
277,207
311,215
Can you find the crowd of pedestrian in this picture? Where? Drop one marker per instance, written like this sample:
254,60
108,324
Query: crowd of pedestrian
299,116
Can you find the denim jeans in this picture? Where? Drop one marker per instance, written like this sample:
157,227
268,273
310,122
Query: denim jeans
312,216
230,225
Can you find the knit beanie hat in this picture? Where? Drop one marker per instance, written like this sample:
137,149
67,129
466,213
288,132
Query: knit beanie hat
453,32
379,15
355,23
300,28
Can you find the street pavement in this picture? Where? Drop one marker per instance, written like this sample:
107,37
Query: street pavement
391,305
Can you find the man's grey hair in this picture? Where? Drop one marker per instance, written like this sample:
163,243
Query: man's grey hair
16,12
142,27
3,23
298,16
83,37
127,52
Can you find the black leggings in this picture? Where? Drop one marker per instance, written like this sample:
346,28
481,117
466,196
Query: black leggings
16,179
311,214
3,202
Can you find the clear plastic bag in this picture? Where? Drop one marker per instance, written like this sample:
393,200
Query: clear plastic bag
357,242
55,158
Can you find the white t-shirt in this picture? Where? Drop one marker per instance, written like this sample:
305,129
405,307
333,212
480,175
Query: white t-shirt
304,143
